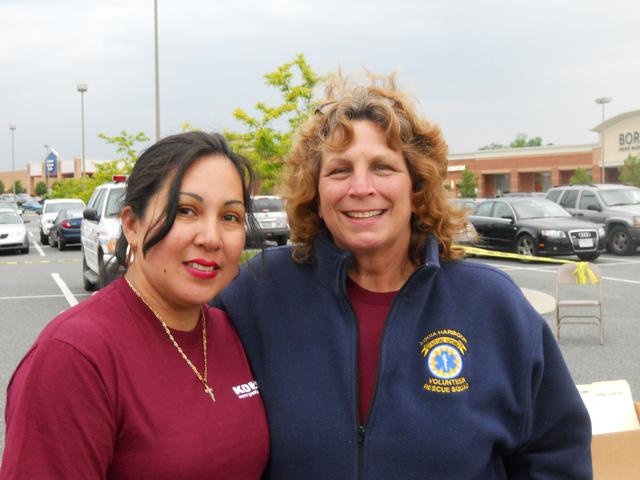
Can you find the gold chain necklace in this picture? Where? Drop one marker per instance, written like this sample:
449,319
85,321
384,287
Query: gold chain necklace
203,378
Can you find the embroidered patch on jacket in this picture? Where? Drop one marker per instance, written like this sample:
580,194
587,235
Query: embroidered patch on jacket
444,351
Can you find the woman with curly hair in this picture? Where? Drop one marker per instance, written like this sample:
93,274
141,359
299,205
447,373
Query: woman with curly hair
379,352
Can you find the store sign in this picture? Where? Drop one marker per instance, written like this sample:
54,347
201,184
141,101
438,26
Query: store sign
622,139
629,141
51,163
456,168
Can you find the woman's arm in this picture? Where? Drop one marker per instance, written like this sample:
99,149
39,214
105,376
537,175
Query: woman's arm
60,421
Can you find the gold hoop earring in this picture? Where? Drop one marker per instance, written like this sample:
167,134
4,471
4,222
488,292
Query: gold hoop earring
130,255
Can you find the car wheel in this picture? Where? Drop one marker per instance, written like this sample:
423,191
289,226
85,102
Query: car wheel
282,240
52,242
588,257
61,245
43,238
88,286
620,242
526,245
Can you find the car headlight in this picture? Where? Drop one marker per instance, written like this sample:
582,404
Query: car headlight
602,232
553,233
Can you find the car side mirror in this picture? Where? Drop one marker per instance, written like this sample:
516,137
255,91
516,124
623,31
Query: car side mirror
90,214
594,207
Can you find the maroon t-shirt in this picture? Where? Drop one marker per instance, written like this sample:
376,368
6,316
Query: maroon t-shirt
103,393
371,309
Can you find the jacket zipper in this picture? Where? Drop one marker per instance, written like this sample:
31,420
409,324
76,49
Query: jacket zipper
362,429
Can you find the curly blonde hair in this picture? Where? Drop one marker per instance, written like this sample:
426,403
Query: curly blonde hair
420,142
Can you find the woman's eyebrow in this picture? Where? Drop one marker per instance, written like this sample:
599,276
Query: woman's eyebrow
200,199
194,195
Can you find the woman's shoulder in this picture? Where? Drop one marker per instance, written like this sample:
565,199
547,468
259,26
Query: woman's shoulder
91,319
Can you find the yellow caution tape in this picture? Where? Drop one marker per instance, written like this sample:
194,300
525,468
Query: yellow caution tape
582,272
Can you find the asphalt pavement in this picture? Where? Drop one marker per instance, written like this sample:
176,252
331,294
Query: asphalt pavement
34,288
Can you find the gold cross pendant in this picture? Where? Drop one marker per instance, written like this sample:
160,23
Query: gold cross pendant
209,391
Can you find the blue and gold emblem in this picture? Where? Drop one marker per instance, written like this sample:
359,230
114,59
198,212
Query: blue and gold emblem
445,361
444,351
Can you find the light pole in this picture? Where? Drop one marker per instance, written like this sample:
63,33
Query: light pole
13,164
157,71
82,87
602,101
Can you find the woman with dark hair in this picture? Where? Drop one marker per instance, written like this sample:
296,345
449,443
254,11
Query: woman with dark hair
380,353
142,380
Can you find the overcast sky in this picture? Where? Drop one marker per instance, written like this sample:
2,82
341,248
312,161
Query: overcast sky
483,70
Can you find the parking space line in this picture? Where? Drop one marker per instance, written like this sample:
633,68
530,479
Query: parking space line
543,270
35,297
65,290
35,244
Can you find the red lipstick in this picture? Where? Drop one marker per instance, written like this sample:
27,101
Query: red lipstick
200,268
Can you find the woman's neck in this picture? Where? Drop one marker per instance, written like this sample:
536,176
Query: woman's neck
174,316
380,274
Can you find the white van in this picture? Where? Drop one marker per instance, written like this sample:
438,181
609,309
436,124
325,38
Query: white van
100,231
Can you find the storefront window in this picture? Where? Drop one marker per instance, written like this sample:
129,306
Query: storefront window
542,181
503,184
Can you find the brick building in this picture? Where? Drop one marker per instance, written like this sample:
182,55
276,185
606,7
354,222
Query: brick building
536,169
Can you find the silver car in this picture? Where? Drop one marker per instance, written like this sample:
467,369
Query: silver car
13,234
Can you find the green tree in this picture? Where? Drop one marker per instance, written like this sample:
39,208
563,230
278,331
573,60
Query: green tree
83,187
467,187
41,188
1,187
581,176
268,135
493,146
630,170
18,188
522,140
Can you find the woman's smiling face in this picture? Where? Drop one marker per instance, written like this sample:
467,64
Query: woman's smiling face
200,254
365,194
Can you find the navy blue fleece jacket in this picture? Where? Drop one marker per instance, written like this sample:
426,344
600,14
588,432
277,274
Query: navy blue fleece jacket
471,383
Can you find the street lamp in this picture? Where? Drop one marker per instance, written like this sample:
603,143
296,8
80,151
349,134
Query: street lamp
602,101
157,71
13,164
82,87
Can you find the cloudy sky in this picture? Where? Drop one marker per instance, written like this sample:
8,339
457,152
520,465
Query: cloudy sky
483,70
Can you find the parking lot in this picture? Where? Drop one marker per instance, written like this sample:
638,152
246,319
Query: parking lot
37,286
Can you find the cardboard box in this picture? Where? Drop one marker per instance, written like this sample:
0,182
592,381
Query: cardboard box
615,451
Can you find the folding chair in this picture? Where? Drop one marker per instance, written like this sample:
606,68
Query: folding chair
567,275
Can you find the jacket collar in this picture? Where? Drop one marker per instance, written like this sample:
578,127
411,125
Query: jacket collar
331,263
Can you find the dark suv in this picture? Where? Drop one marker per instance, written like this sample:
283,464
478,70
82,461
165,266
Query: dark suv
615,206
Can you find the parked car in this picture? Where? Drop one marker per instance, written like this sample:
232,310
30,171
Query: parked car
50,211
7,205
536,226
66,227
99,233
615,206
13,234
272,218
468,235
32,207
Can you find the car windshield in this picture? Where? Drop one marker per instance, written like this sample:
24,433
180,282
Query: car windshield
9,218
75,212
114,202
626,196
56,207
539,209
267,205
9,205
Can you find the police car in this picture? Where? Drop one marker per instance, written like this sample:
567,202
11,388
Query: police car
100,231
